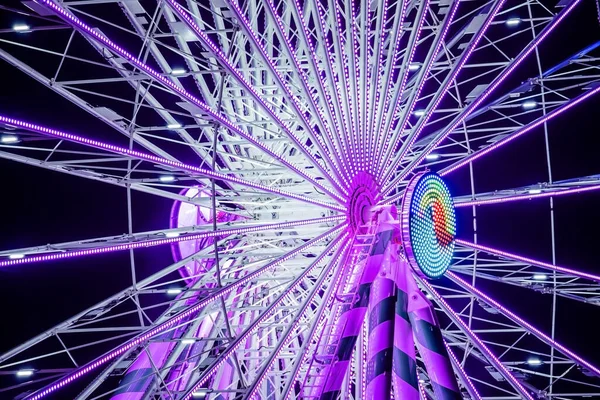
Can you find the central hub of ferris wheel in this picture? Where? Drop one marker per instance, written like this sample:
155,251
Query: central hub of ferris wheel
364,191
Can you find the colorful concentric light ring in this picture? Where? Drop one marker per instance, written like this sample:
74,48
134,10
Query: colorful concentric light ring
428,225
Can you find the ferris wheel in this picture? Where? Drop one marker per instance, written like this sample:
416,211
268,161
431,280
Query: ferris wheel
320,161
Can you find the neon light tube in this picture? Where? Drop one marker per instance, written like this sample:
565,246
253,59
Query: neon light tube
520,132
527,260
545,338
159,160
43,392
73,20
528,196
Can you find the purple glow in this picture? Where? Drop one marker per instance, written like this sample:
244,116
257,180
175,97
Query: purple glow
159,160
184,16
304,79
548,340
175,319
465,378
239,340
482,97
519,132
158,242
455,72
527,260
527,196
407,71
482,347
71,19
287,335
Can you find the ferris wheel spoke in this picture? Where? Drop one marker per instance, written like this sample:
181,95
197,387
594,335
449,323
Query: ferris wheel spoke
98,112
462,375
170,321
334,74
521,131
80,248
389,144
221,58
311,78
161,161
521,322
268,313
507,71
217,118
480,345
332,141
530,261
291,331
385,82
515,270
405,70
555,189
393,163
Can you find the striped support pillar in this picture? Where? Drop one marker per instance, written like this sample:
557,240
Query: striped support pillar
404,365
352,319
382,303
431,345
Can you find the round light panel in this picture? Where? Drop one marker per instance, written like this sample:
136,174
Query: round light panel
428,225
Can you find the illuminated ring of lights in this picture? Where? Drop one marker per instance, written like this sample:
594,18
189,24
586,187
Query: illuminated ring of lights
428,225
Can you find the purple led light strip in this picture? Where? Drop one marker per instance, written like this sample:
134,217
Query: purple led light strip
74,21
333,142
405,65
387,97
530,261
285,339
520,132
209,372
387,149
373,95
442,92
527,196
159,160
158,242
460,371
348,139
480,345
320,317
545,338
336,83
185,17
318,78
43,392
482,97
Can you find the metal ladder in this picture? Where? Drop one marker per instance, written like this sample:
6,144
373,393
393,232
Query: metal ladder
325,351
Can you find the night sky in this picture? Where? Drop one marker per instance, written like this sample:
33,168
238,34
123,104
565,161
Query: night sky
40,207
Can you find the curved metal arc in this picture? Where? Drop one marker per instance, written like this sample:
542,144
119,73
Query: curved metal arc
480,99
222,120
521,322
159,160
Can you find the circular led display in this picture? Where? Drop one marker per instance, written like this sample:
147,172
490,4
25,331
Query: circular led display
428,225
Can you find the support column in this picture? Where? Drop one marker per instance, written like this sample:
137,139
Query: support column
430,344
